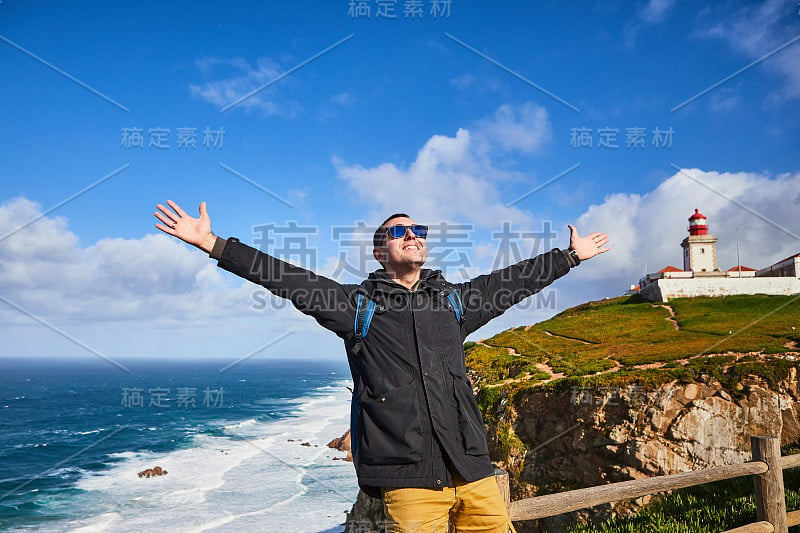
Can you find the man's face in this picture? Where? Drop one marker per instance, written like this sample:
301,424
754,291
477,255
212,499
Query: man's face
403,251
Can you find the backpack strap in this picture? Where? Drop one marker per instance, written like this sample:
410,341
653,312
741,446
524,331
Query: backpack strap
365,309
458,307
363,318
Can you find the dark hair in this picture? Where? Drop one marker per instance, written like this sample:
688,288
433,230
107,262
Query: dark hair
380,233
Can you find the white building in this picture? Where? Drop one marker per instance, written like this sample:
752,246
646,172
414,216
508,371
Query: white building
701,275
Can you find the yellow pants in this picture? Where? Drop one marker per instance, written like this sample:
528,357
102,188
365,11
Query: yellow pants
469,507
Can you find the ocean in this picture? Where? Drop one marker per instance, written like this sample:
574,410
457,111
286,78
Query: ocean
244,450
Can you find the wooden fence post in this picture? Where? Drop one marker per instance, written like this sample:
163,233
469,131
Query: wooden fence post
770,498
501,476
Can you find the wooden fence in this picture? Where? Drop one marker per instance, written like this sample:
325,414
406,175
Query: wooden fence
767,468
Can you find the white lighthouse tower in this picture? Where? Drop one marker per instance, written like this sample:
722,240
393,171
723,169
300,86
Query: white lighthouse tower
700,247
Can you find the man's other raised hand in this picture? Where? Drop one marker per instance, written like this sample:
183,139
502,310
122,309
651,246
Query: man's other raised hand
195,231
588,246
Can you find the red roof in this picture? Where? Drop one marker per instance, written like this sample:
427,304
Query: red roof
697,214
670,268
741,268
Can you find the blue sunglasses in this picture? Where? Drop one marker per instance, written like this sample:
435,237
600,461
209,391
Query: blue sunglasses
398,230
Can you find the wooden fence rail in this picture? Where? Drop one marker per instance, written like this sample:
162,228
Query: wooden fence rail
767,468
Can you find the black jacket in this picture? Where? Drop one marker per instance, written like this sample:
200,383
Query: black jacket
416,420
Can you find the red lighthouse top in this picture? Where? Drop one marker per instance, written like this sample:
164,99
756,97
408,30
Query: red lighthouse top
698,223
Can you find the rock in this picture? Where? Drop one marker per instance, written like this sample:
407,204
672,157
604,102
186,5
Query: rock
305,444
153,472
676,428
343,445
691,391
367,515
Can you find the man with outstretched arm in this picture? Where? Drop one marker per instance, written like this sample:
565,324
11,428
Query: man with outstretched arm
417,435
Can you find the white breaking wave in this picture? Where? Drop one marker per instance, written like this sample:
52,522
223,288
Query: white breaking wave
263,479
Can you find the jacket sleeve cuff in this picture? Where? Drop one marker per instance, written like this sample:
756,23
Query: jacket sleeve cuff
219,247
570,259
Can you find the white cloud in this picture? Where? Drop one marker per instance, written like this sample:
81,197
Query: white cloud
445,183
131,297
138,283
335,103
241,78
344,99
648,229
525,128
652,13
45,270
723,100
463,82
453,178
480,83
655,11
758,29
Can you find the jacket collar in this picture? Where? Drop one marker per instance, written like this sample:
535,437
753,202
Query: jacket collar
383,283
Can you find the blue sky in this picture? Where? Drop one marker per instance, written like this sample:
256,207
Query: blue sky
471,118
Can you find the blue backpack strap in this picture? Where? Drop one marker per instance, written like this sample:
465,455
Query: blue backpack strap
458,307
365,309
367,318
363,318
359,316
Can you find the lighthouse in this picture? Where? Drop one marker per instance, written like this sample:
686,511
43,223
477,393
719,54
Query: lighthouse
702,277
700,247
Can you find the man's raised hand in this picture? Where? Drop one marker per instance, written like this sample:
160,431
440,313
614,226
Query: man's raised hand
588,246
195,231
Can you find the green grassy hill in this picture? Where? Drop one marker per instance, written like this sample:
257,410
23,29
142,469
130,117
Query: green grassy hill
629,340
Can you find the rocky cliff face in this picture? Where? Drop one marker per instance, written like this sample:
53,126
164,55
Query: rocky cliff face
343,445
555,441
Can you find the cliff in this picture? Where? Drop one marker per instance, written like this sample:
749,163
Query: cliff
343,445
623,389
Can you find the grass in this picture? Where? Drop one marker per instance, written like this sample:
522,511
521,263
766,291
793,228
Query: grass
495,363
629,333
762,323
508,443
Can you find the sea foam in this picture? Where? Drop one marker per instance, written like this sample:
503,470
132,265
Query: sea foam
258,476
